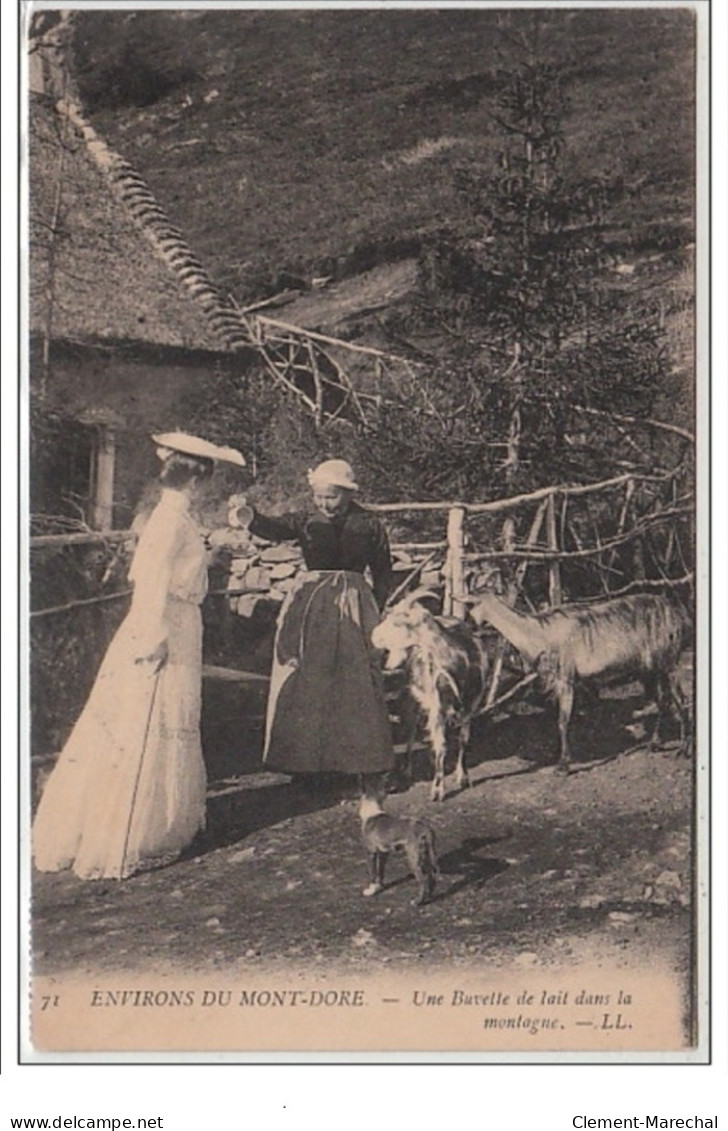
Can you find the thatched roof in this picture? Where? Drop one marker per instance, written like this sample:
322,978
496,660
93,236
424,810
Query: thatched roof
94,276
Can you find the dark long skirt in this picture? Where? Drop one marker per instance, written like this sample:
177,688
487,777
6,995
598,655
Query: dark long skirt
326,708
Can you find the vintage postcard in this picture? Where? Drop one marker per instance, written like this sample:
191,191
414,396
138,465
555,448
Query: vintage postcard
366,628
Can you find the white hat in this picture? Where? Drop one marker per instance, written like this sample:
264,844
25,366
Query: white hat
194,446
333,473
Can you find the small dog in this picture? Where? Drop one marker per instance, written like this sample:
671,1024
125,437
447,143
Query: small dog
382,833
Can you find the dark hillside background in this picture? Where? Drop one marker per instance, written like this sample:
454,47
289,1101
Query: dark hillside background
293,144
327,154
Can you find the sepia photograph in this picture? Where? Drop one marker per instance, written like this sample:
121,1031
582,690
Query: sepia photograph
365,560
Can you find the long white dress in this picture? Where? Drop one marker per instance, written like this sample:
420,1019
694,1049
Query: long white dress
128,790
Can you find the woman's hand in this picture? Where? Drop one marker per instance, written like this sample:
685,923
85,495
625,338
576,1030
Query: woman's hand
158,657
216,545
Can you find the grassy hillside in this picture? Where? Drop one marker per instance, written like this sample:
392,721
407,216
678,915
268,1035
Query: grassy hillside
301,143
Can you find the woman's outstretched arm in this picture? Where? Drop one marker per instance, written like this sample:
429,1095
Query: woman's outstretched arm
280,528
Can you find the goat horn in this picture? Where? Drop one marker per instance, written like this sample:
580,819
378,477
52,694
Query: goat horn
418,594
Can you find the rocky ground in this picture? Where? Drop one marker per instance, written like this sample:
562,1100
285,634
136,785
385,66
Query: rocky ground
537,868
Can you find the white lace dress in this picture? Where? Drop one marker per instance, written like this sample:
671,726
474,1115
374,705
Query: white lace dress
128,790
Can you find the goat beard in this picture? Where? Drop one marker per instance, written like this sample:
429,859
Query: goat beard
393,661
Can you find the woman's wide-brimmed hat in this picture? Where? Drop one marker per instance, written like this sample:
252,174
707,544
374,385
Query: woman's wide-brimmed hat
333,473
195,446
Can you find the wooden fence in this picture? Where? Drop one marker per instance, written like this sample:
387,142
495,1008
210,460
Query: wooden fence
553,545
550,527
582,542
558,526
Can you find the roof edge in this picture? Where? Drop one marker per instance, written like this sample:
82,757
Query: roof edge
168,243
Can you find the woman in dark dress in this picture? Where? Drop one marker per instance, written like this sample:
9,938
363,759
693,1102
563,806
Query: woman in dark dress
326,707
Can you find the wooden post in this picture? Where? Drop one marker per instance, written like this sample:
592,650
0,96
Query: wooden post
319,393
627,508
555,592
671,533
639,560
102,480
509,539
530,541
454,603
599,564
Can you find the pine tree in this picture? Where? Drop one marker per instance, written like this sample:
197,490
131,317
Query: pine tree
525,287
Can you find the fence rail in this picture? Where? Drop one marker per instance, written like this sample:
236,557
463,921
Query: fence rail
496,506
80,538
561,543
546,542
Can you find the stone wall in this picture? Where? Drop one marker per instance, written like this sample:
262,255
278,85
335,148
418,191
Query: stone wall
261,571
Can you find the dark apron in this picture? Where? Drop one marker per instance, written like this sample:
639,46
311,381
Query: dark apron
326,708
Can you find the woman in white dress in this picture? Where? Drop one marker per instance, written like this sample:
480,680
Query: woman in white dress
128,790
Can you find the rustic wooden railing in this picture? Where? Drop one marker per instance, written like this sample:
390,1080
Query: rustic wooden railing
546,541
549,533
631,531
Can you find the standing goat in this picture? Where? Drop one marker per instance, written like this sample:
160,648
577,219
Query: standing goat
446,668
638,636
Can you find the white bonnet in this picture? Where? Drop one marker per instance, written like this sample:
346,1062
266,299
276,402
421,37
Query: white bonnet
333,473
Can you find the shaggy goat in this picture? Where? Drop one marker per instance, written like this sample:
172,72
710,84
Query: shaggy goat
638,636
446,669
